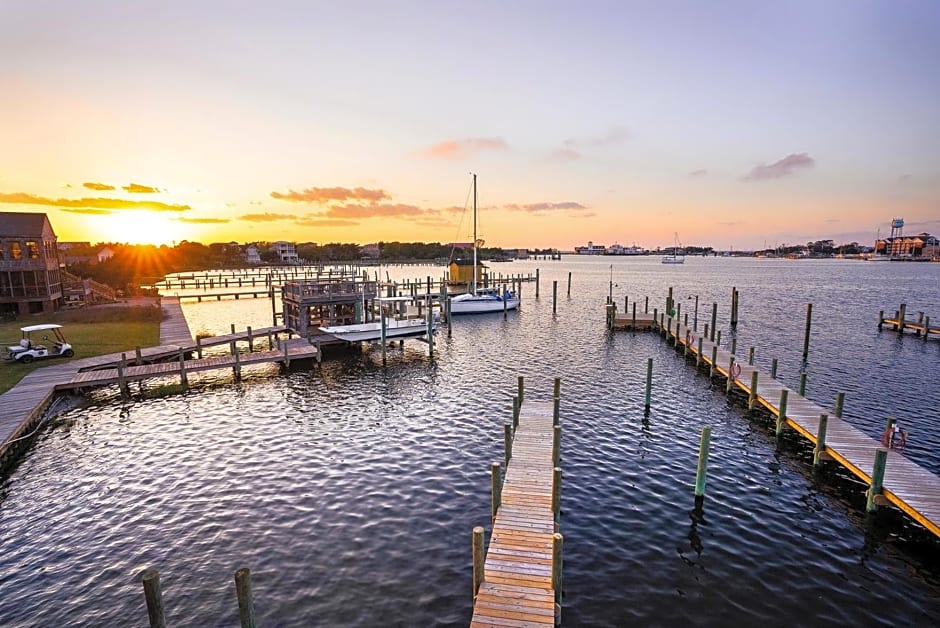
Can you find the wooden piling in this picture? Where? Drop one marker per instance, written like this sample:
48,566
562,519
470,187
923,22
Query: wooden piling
556,444
718,339
151,581
712,366
246,608
516,407
569,284
773,369
478,557
840,401
633,322
554,296
803,384
556,493
809,323
384,335
557,552
521,389
782,411
122,381
698,354
138,359
734,342
199,347
496,488
537,283
819,451
556,400
881,319
750,357
729,383
714,320
902,314
251,340
237,368
507,442
752,396
702,469
877,479
649,384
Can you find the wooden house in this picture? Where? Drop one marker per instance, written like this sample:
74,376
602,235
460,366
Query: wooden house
30,282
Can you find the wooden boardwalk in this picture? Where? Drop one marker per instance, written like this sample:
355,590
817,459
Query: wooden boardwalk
517,582
909,487
174,330
921,327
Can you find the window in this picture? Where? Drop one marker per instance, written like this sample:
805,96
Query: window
16,251
32,248
2,255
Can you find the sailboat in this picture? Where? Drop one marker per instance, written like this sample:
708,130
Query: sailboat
478,300
675,257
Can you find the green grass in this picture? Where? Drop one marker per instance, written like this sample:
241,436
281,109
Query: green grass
91,331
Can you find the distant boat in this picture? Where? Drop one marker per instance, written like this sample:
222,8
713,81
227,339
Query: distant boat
485,300
675,257
591,249
617,249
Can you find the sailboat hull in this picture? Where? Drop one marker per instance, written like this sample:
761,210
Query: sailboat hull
373,331
481,304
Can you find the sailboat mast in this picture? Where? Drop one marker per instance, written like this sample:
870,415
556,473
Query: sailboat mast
474,288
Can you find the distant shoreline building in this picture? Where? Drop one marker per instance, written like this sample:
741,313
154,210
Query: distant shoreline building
591,249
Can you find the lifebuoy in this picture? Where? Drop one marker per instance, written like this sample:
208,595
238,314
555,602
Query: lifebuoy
736,371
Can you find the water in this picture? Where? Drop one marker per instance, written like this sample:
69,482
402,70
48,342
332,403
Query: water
351,491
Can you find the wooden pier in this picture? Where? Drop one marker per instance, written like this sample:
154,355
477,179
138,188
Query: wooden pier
230,294
906,485
920,327
518,587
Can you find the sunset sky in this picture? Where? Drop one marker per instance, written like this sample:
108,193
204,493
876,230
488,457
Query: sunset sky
735,124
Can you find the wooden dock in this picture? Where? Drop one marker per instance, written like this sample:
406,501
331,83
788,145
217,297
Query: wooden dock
517,587
920,327
174,330
229,294
909,487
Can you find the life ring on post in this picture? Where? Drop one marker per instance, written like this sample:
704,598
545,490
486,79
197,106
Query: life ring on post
735,371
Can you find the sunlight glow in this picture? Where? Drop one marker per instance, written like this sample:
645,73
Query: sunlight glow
142,227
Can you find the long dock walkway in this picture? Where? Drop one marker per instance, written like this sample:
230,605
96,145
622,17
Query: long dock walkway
517,578
906,485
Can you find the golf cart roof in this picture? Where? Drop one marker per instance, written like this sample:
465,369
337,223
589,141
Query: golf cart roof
39,327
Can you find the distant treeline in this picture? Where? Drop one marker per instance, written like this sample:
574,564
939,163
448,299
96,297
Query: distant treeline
136,264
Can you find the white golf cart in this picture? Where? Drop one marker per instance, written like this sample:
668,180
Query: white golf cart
27,351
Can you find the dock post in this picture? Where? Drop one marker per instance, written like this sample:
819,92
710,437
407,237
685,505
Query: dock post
138,360
199,347
556,400
634,317
711,368
649,384
877,478
237,369
626,302
246,608
752,397
233,328
449,328
521,390
655,316
496,488
251,340
782,411
695,320
556,494
820,449
926,327
122,382
902,314
840,401
554,296
734,307
646,306
734,342
477,560
714,320
569,284
729,383
881,319
698,356
773,369
507,442
286,356
556,445
750,357
687,342
702,468
610,315
803,384
151,581
383,338
430,328
557,551
537,283
718,339
809,323
516,406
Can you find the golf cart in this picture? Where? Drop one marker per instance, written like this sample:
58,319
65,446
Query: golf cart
27,351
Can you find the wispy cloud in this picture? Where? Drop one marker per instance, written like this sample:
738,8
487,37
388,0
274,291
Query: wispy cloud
314,221
564,154
695,174
203,221
463,149
573,147
99,187
326,195
90,212
136,188
546,207
266,217
21,198
781,168
373,210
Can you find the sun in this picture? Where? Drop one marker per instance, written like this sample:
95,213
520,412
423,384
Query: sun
143,227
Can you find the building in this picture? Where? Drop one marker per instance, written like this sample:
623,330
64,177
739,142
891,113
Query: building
922,246
30,282
286,252
252,254
590,249
461,272
370,251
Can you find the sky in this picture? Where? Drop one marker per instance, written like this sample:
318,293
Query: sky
732,124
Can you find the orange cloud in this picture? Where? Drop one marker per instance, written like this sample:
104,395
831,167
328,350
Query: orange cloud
203,221
100,187
325,222
267,217
325,195
21,198
546,206
463,149
90,212
383,210
136,188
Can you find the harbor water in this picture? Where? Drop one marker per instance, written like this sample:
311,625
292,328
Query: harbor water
350,490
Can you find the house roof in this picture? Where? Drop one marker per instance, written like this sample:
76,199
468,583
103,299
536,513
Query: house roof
25,224
466,262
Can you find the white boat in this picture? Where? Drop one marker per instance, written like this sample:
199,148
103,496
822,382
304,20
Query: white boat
394,327
675,257
484,300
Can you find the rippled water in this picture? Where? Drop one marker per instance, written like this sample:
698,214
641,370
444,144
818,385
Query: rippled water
350,491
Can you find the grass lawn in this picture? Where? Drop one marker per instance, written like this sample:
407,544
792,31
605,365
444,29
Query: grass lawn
91,331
